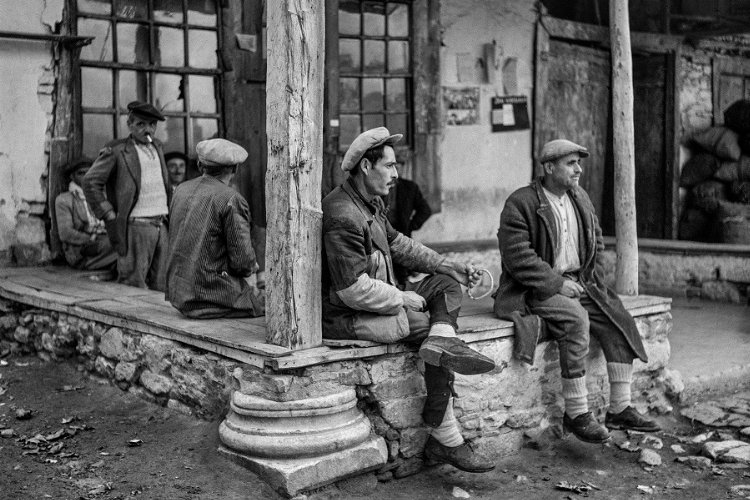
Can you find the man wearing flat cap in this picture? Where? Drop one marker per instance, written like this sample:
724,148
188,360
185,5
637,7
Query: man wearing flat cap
361,299
211,252
128,188
551,282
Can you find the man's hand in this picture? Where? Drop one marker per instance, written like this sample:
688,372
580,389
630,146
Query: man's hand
464,273
413,301
571,289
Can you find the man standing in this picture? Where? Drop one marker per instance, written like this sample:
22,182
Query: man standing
361,299
211,252
128,188
551,242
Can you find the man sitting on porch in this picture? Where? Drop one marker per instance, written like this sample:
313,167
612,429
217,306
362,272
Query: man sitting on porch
551,244
361,299
210,250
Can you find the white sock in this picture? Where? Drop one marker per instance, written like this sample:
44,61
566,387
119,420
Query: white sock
447,432
575,393
441,330
620,377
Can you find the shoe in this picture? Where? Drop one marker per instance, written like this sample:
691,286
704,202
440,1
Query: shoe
630,419
586,428
462,457
453,353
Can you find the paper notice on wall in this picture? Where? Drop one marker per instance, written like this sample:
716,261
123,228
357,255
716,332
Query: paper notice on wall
509,113
461,105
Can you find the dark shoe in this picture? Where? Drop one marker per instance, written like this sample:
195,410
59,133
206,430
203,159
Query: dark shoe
586,428
630,419
462,457
453,354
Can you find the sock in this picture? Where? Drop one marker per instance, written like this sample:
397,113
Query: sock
575,393
620,376
441,330
447,432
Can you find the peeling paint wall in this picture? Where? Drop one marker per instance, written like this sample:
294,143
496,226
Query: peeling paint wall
481,168
26,106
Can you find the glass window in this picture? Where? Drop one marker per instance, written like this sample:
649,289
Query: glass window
349,129
132,43
374,18
374,56
398,20
97,131
168,11
349,94
397,124
94,7
349,60
372,121
202,12
349,17
202,95
168,92
372,94
101,48
170,50
132,9
396,93
97,91
204,128
133,86
172,134
202,48
398,57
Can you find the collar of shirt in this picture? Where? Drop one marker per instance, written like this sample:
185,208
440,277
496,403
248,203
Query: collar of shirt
374,206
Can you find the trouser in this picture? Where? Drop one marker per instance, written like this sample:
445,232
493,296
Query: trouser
572,322
145,264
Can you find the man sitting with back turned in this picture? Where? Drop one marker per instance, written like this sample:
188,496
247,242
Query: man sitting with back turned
361,299
210,250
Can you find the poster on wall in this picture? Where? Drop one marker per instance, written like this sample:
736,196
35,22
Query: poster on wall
510,113
461,105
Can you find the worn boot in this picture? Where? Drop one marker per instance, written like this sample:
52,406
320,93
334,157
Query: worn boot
453,353
462,457
586,428
630,419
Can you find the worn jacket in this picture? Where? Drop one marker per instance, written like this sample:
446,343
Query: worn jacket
407,208
112,184
360,297
73,226
210,250
527,238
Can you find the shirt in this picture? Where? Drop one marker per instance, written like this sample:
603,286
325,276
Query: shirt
566,253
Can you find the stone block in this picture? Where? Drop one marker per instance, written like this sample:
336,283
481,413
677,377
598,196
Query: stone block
716,450
115,344
104,367
155,383
413,440
658,357
30,254
125,371
409,384
345,373
157,352
403,412
408,467
292,476
22,334
389,367
179,406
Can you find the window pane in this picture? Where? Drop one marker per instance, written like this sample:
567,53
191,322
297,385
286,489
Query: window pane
94,6
349,94
132,43
202,96
372,121
395,94
349,59
168,11
374,56
202,12
349,130
374,20
96,88
204,128
202,49
101,48
170,49
349,17
122,127
97,131
396,124
133,86
398,57
132,9
372,94
172,133
398,20
168,92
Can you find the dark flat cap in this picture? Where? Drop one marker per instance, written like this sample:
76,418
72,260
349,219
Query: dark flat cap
176,154
367,140
77,164
559,148
145,110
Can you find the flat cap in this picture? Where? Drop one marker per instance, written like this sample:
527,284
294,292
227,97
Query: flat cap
367,140
559,148
217,152
145,110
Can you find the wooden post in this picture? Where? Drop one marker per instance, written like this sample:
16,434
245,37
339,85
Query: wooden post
626,272
294,127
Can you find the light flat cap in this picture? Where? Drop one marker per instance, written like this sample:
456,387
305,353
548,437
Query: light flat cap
367,140
218,152
559,148
145,110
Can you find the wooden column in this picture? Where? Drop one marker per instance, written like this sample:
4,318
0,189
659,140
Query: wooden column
626,272
294,126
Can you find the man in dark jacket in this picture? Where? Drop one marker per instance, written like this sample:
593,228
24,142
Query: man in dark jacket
210,250
551,242
128,188
361,300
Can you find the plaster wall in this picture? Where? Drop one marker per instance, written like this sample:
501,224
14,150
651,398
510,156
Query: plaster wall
481,168
26,108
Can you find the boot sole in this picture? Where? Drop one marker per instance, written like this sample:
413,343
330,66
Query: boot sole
433,461
618,427
465,365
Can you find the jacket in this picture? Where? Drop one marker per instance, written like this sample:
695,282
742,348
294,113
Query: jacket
407,208
527,239
360,297
112,184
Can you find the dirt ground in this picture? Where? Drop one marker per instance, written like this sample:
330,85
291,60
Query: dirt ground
86,439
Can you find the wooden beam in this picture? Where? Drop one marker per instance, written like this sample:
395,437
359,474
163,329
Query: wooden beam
626,272
294,126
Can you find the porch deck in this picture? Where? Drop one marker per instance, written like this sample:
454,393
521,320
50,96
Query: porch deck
74,292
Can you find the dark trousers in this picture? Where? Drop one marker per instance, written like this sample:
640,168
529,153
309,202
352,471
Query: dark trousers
145,264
